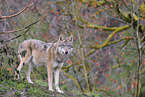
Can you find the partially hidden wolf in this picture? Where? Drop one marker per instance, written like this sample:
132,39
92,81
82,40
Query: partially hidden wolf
52,55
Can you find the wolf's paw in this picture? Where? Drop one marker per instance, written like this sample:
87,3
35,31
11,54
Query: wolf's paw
60,91
51,90
31,82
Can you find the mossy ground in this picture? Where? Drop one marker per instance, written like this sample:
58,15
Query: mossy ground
20,88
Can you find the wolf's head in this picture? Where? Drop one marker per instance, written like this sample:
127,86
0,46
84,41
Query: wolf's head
65,46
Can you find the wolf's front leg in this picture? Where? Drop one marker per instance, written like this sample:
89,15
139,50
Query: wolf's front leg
56,74
50,79
17,72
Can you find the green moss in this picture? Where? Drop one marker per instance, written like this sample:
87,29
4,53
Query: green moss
41,82
20,88
18,93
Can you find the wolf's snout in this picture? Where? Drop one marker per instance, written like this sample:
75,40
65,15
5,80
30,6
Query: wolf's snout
66,52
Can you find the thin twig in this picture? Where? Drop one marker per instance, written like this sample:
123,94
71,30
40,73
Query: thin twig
11,31
17,36
19,29
3,17
1,1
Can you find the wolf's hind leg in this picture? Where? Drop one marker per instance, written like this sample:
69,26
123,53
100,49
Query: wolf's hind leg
23,61
50,77
31,65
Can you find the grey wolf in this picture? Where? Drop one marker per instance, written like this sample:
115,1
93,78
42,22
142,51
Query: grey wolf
52,55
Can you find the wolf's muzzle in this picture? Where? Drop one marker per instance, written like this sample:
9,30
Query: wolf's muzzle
66,52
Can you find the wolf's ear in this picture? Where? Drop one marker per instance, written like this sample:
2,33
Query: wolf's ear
71,38
60,37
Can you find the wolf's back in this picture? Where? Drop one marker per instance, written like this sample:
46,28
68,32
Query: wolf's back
30,44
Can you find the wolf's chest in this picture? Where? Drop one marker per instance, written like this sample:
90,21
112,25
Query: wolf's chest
57,65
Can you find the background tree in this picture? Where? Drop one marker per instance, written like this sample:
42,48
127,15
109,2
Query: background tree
109,40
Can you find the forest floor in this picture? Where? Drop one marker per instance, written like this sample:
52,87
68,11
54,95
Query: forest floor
19,88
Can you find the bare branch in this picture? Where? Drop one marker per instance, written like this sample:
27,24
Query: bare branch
94,2
17,36
104,91
99,27
106,43
3,17
110,43
19,29
11,31
1,1
72,79
66,67
124,38
95,26
124,3
91,52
